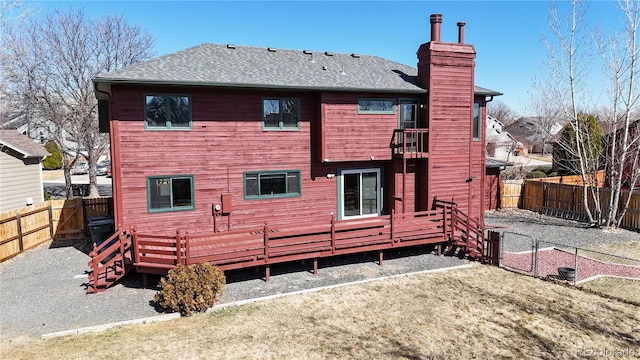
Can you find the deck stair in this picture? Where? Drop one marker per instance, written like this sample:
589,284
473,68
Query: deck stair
110,261
465,233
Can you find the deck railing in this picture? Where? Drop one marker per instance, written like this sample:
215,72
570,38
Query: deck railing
410,143
271,244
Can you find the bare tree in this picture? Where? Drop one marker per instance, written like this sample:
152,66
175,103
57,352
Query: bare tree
564,89
569,55
501,111
51,62
620,54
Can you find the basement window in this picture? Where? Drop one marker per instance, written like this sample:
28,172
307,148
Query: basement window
167,112
271,184
280,114
376,106
170,193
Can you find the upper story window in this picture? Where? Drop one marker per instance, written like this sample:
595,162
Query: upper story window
170,193
269,184
376,106
281,114
476,121
167,112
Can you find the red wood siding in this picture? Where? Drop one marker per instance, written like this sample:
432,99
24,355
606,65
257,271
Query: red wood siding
456,162
492,189
226,141
349,136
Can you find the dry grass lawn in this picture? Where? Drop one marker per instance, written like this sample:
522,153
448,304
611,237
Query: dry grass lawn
625,289
482,312
52,174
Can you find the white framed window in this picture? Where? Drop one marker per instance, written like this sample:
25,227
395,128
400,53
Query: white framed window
360,193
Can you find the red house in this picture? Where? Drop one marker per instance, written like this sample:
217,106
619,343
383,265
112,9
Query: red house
222,139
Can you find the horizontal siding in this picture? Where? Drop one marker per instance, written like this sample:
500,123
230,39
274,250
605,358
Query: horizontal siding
226,141
18,181
349,136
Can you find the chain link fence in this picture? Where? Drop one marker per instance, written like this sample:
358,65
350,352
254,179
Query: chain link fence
611,272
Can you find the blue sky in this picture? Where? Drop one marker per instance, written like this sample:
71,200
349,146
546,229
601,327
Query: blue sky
506,34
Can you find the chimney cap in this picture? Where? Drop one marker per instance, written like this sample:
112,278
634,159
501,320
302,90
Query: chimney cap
436,18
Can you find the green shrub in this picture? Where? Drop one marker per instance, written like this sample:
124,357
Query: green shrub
536,175
544,169
189,289
552,174
47,196
53,161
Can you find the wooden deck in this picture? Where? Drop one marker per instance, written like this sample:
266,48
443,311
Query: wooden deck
272,244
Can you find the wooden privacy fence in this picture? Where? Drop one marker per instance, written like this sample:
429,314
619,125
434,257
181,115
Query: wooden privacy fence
510,194
513,193
567,201
28,227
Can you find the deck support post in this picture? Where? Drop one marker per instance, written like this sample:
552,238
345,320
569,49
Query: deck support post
267,272
144,280
380,258
439,249
315,266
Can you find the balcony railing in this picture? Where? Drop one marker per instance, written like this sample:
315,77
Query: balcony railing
410,143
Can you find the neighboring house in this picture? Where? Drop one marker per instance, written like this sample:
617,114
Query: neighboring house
290,136
500,144
20,171
629,167
534,134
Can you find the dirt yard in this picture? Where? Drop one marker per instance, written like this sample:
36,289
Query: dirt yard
482,312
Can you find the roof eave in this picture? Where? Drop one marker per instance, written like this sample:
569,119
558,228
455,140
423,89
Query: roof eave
254,86
25,154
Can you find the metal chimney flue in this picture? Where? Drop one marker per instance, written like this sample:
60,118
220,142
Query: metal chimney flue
461,32
436,21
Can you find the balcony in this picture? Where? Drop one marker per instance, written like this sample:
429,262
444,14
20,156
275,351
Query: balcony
410,143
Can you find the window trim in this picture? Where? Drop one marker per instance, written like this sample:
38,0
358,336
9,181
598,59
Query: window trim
281,126
340,191
172,208
168,127
271,172
392,111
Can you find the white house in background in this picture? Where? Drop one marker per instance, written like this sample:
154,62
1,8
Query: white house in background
20,170
500,144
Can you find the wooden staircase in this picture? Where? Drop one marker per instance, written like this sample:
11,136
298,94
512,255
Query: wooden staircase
465,234
110,261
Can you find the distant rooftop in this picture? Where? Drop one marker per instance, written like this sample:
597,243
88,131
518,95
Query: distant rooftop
22,144
254,67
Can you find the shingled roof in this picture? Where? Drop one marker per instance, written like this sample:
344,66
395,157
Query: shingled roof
22,144
254,67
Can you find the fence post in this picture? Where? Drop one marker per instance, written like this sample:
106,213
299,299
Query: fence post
178,248
84,218
134,244
187,251
266,241
575,267
536,256
393,237
50,221
20,239
333,234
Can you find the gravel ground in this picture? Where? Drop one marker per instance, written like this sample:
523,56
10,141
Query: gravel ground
521,226
42,291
